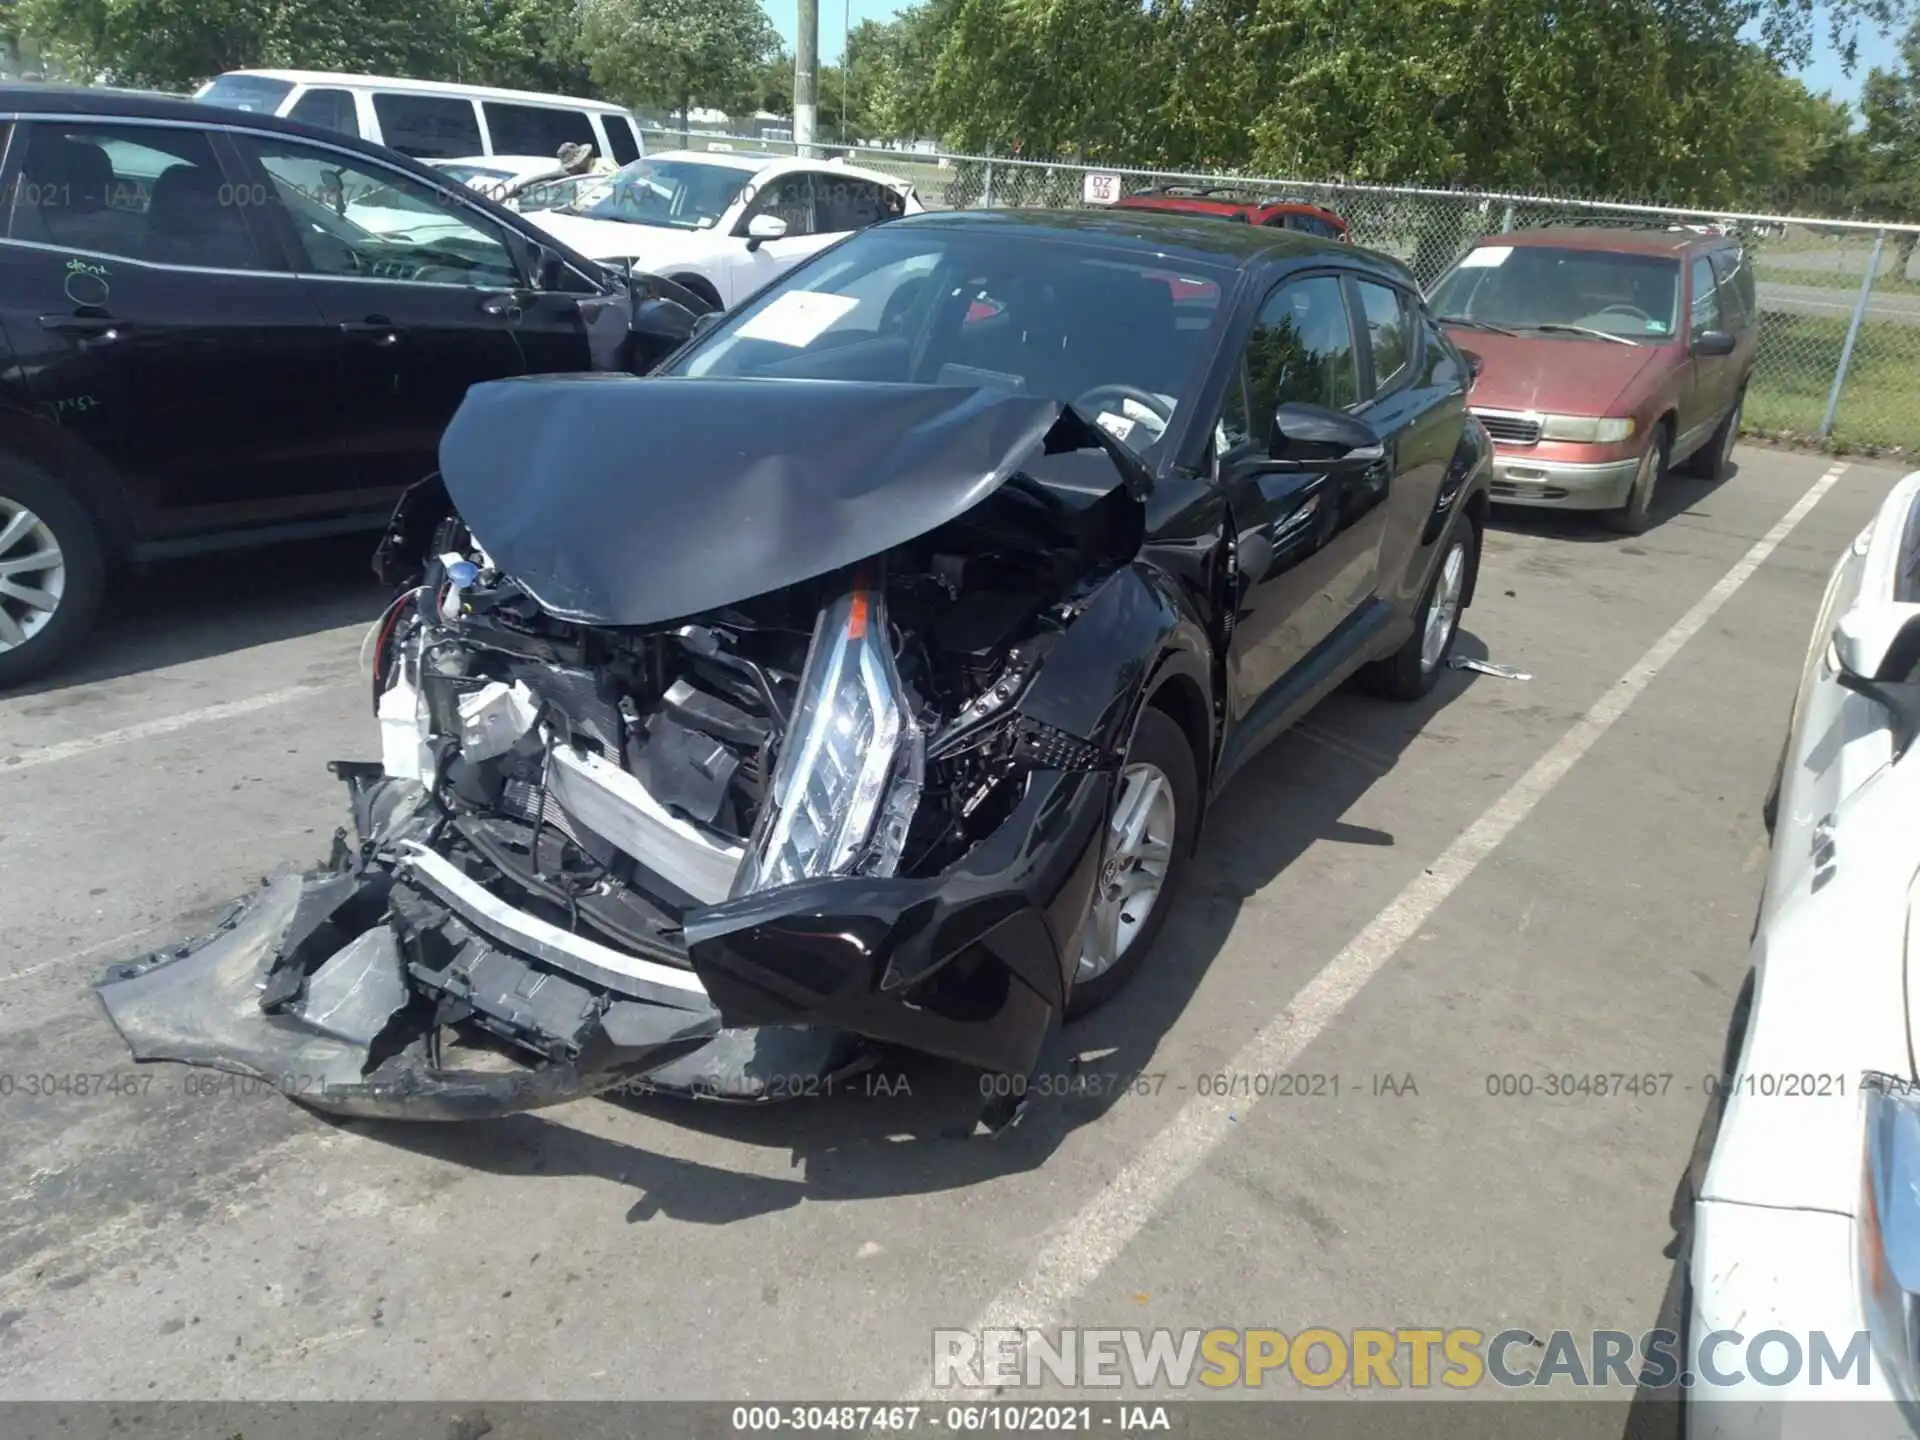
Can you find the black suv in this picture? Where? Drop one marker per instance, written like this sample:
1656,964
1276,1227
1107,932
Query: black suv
223,328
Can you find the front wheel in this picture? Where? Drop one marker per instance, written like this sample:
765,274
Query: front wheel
1143,857
1636,515
1414,669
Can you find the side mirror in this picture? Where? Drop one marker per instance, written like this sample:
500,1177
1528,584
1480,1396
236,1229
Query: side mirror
705,322
1877,648
764,227
1316,438
663,319
1713,342
1474,366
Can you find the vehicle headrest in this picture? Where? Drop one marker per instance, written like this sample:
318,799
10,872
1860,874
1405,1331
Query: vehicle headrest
77,164
185,201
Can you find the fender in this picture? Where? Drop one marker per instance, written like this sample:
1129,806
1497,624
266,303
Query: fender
1133,634
107,497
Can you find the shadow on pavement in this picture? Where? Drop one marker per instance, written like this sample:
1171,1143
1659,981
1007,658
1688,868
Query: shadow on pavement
1676,495
897,1130
178,611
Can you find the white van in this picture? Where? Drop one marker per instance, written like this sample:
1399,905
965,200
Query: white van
430,119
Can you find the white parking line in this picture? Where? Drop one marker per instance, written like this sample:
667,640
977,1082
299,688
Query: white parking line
161,725
1092,1239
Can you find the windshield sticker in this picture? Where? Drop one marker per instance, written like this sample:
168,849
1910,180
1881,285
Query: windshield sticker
797,318
1117,426
1486,257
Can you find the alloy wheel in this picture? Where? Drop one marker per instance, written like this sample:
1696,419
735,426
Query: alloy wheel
33,574
1444,609
1133,869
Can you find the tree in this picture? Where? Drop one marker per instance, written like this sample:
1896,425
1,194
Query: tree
174,44
1891,103
678,52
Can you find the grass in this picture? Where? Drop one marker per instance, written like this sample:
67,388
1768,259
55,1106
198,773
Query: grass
1833,279
1880,402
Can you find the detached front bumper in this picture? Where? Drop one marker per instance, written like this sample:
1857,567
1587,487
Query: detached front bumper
1522,477
342,986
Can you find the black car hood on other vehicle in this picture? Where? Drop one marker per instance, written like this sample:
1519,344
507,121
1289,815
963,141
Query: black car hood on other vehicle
621,501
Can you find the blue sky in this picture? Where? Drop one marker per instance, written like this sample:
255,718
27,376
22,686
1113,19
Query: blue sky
1821,74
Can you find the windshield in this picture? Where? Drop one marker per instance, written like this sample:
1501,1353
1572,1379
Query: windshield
246,92
1120,337
1526,287
679,194
467,174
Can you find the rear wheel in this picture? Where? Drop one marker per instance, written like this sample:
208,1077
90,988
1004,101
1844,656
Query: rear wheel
1715,460
1143,857
1414,669
1636,515
52,570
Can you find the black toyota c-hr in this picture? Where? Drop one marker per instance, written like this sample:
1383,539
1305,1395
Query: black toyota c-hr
222,328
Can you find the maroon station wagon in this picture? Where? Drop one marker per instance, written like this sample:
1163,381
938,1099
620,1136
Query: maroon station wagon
1607,356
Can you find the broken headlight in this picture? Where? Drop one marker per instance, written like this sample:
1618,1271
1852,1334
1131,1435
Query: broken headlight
849,775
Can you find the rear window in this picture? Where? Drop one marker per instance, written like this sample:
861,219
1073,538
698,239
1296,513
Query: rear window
622,138
257,93
536,129
428,126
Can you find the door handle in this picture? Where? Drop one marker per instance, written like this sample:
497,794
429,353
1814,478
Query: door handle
504,307
377,328
105,326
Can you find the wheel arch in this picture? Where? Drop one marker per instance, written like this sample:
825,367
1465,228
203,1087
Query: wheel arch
95,483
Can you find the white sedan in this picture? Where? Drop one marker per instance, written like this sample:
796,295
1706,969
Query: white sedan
721,223
1807,1220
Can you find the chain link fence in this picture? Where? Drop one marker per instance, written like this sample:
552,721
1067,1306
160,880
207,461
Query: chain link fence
1839,348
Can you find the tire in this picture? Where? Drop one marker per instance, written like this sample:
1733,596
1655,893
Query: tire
1159,745
1414,669
38,512
1715,459
1636,515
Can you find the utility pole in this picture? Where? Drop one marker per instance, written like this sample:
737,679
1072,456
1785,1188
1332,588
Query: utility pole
806,75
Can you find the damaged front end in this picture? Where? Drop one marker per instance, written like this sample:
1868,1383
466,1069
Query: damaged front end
719,848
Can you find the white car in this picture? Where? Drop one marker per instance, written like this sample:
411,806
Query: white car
499,176
1807,1220
721,223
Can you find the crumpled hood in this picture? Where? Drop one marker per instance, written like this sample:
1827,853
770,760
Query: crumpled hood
650,245
622,501
1556,375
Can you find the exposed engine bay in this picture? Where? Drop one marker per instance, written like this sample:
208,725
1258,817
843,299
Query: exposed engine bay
712,848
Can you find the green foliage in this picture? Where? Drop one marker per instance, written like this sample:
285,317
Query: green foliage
678,52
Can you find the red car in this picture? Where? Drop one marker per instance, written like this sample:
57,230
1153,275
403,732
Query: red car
1606,356
1244,206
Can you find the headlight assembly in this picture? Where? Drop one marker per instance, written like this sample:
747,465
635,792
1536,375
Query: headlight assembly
1890,1229
1586,429
850,769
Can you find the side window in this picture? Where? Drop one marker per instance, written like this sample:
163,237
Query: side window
1705,314
1727,267
428,127
355,217
154,193
1390,334
841,203
791,198
328,109
1301,350
621,138
536,129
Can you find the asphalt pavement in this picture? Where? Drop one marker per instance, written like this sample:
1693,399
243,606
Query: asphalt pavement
1401,903
1899,307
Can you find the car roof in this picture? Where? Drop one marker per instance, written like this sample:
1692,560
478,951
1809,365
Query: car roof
439,87
764,164
1220,203
1620,240
1168,234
